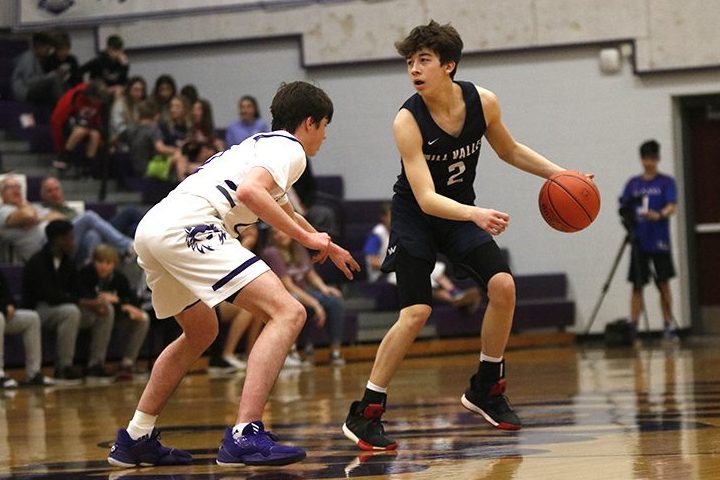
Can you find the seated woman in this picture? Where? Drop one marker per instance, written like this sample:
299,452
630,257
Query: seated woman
291,263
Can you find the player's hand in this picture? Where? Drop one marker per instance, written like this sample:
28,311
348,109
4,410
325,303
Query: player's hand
343,260
490,220
319,242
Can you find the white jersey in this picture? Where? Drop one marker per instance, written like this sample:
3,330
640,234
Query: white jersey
279,152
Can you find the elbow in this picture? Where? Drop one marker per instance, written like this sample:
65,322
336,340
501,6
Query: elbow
244,194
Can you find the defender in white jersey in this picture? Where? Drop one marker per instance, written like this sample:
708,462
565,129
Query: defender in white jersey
187,246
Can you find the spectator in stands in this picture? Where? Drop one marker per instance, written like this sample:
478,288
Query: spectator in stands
89,227
176,132
111,66
125,111
223,349
30,82
50,286
62,62
145,140
22,225
291,263
190,93
249,123
13,321
77,121
108,292
443,288
164,91
201,143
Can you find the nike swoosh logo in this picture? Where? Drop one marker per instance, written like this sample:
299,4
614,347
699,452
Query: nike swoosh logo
433,141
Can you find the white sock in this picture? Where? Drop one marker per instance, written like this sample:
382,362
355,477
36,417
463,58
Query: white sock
237,429
141,424
375,388
488,358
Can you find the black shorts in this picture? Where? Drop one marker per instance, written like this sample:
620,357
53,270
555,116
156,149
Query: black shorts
415,241
663,268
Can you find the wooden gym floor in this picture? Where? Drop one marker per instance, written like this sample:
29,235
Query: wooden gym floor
650,412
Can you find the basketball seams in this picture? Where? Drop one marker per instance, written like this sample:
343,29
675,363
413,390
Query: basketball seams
555,209
555,215
571,196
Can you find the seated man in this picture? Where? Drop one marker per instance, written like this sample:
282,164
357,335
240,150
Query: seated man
50,286
14,321
90,228
22,226
107,291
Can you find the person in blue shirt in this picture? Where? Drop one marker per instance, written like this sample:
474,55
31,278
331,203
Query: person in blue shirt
249,124
650,199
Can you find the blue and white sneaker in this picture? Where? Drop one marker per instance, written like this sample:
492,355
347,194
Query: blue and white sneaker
145,452
255,446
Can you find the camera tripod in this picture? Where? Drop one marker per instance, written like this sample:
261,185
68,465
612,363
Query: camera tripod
628,240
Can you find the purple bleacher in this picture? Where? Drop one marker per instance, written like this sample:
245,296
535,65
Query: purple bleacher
363,211
330,185
384,294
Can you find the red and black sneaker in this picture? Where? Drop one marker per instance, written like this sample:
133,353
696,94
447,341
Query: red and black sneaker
492,405
364,427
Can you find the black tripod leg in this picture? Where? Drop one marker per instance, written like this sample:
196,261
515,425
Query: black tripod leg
606,286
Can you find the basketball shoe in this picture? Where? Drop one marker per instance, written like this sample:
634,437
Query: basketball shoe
146,451
489,401
256,446
364,427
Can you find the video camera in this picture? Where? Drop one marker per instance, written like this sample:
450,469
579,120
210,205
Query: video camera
627,211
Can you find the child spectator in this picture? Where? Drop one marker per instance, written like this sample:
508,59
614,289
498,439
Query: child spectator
62,62
291,263
50,286
108,290
125,110
165,90
30,82
77,119
110,66
145,140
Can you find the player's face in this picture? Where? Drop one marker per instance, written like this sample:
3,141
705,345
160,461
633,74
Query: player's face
315,137
424,69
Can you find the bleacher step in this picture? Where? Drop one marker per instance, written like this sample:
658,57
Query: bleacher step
377,334
13,146
24,161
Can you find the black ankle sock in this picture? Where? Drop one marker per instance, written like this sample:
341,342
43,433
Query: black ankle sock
488,374
371,396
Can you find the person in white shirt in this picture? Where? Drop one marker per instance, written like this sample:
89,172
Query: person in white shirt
187,246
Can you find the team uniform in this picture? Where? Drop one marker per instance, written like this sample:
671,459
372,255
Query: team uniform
416,237
186,243
415,240
652,238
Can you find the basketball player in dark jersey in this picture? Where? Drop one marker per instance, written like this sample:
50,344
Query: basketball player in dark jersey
438,132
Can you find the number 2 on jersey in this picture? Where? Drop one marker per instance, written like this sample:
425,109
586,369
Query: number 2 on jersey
455,177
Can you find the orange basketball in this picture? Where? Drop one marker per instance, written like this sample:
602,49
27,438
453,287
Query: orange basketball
569,201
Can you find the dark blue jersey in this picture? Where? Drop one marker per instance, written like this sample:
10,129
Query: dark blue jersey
452,160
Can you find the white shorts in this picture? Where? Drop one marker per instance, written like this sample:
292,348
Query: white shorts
188,255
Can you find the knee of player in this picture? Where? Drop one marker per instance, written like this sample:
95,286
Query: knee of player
415,315
501,290
295,313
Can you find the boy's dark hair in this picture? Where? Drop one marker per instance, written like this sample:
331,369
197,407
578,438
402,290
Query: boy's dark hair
57,228
43,38
651,148
296,101
147,110
114,42
444,40
190,92
61,39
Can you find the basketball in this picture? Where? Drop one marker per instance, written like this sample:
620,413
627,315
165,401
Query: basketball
569,201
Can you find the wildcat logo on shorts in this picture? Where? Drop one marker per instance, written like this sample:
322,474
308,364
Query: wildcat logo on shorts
204,238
